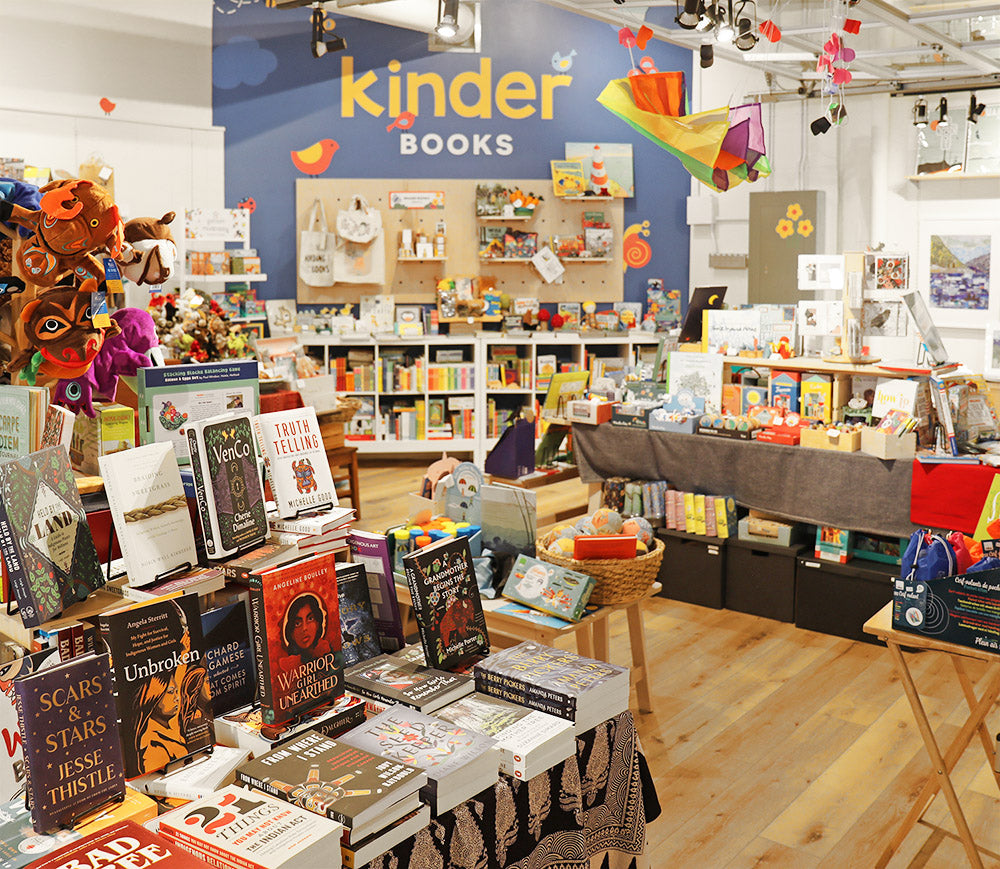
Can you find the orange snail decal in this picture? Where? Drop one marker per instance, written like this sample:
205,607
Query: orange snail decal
636,251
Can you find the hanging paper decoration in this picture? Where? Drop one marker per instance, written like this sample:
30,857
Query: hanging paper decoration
833,63
636,251
770,31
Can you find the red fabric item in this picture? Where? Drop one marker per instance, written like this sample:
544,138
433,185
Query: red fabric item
283,399
963,560
949,496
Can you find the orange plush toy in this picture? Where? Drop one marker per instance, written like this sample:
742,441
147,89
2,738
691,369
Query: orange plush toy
77,219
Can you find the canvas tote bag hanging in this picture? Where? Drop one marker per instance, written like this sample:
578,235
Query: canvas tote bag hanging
316,249
360,254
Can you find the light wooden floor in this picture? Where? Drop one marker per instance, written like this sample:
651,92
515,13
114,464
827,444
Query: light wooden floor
774,746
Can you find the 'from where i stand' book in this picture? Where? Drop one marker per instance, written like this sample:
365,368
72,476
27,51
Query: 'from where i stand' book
161,681
446,603
47,546
72,752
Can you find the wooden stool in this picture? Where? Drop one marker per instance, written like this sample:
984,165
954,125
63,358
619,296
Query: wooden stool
345,459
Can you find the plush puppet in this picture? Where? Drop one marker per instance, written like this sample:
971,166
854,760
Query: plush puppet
149,251
77,221
120,355
19,193
60,339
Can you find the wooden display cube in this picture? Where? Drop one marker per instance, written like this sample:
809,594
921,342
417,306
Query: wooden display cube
885,445
846,441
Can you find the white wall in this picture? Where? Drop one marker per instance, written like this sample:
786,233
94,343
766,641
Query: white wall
861,166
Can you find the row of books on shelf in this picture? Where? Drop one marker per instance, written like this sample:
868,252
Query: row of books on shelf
440,378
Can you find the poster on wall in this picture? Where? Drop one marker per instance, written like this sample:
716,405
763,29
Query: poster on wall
606,164
956,272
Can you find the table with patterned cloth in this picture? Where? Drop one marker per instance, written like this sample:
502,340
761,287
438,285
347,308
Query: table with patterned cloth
590,805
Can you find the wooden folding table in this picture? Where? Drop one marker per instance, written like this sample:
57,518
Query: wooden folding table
880,625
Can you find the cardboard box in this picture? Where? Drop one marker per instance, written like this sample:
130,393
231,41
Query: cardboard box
786,390
817,397
110,430
771,532
660,420
817,438
589,412
731,433
885,445
833,544
632,415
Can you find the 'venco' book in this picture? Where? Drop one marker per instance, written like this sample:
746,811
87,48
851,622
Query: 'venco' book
72,751
357,621
372,550
227,484
161,681
45,540
449,613
363,791
295,620
530,741
125,844
459,763
564,684
296,463
150,512
391,680
245,830
550,588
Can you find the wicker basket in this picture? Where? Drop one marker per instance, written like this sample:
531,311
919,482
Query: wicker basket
618,579
346,408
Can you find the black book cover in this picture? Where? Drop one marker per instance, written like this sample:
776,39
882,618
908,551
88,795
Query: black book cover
357,621
163,695
235,479
446,603
393,680
45,540
229,656
344,783
72,752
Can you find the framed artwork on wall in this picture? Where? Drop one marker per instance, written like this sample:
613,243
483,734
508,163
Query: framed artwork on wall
956,272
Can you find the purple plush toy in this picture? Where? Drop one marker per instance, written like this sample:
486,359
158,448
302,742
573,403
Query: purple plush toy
123,355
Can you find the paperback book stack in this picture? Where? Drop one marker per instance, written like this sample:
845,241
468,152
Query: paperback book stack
459,763
387,680
312,533
530,741
376,799
196,780
563,684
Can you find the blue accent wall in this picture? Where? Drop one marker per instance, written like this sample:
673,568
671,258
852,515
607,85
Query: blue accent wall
273,97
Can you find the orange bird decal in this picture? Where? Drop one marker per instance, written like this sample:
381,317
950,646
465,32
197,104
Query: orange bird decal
315,159
107,105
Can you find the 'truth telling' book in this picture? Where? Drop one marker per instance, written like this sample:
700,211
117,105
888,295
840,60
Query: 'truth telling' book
393,680
446,603
227,484
295,620
296,462
71,747
357,621
161,679
46,542
149,509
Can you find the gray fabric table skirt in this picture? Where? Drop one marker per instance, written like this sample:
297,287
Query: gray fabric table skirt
822,487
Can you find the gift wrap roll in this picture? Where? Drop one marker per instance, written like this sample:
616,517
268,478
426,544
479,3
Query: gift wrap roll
614,494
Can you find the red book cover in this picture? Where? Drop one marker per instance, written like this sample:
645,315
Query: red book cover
604,546
296,626
123,844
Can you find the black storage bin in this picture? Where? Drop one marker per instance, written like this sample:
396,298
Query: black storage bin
693,568
760,579
839,598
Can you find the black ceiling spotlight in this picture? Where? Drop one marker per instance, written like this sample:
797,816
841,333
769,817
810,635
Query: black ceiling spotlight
689,18
746,39
920,113
447,26
707,53
975,109
942,120
320,44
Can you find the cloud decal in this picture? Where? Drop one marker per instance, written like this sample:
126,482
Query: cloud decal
241,61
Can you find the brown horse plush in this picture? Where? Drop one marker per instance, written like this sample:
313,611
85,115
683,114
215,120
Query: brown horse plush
149,251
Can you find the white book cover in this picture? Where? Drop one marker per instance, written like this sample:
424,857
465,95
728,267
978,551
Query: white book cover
296,460
198,779
701,373
149,509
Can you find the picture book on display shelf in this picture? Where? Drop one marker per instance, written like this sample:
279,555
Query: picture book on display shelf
23,411
227,484
69,730
123,844
229,656
459,763
295,622
446,603
247,830
363,791
389,679
550,588
372,551
161,681
150,512
359,634
47,547
296,462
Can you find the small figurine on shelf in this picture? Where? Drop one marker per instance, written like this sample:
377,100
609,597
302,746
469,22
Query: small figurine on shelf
544,315
529,319
558,321
590,314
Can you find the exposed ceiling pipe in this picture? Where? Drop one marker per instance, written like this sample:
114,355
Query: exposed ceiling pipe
420,15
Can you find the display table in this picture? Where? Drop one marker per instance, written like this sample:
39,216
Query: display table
584,806
942,763
821,487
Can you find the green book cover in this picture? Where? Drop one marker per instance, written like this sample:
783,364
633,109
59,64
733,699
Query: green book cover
549,588
15,421
235,479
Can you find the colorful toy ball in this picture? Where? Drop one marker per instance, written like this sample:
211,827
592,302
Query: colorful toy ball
561,546
640,527
586,525
606,521
640,547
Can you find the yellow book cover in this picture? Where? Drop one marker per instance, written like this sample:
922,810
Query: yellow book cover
699,514
721,523
135,807
690,523
421,420
568,178
817,398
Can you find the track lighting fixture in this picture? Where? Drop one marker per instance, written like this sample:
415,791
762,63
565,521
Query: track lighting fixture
942,119
707,53
975,109
320,44
689,18
920,113
447,26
